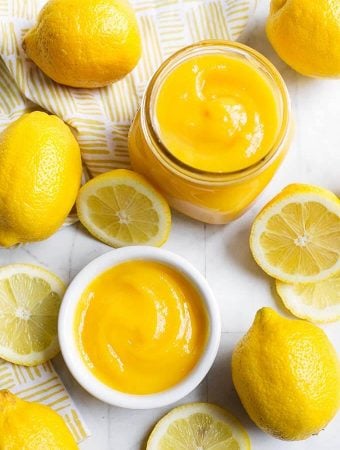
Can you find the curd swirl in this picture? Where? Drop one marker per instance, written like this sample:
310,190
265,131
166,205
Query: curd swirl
217,113
141,327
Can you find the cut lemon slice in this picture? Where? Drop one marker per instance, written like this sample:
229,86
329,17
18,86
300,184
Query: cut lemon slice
30,298
121,208
317,302
198,426
296,236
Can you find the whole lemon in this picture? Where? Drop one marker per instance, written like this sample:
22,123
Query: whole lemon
85,43
31,426
287,375
40,172
306,35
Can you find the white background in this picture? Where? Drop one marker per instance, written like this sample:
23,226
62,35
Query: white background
222,254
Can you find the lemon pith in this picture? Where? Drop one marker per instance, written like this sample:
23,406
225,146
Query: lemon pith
30,298
40,171
31,426
306,35
287,375
317,302
296,236
198,425
121,208
85,43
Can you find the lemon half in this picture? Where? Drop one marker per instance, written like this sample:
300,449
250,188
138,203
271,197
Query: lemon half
201,426
296,236
317,302
121,208
30,298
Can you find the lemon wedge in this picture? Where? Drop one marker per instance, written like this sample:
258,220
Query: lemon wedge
296,236
317,302
198,426
121,208
30,298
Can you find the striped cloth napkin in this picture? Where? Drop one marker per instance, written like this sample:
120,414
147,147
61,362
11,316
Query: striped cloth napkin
100,118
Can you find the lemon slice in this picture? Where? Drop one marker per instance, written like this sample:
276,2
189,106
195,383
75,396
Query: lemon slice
296,236
317,302
30,298
121,208
200,426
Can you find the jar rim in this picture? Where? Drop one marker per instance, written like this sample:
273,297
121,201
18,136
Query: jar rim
185,170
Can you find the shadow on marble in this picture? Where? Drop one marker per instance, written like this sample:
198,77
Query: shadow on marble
221,390
238,251
84,249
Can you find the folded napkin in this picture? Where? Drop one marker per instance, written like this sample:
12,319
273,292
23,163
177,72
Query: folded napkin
41,384
100,118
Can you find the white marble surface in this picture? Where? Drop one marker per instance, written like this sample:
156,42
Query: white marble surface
222,254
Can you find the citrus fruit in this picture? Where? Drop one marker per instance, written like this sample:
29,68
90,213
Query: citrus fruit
31,426
306,35
317,302
121,208
85,43
296,236
201,426
30,298
40,171
287,375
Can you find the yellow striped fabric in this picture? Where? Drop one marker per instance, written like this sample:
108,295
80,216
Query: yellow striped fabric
101,117
42,384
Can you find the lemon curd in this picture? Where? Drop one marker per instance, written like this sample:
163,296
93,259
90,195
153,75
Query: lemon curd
141,327
213,127
217,113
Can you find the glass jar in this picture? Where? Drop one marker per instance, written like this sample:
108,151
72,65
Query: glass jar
207,196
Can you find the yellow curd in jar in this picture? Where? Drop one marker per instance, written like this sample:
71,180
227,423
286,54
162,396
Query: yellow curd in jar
214,126
141,327
217,113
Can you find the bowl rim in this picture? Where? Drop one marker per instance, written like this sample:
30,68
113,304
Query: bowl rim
71,354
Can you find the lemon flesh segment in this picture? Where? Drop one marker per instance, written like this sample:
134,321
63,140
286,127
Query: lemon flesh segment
202,426
296,237
121,208
317,302
30,298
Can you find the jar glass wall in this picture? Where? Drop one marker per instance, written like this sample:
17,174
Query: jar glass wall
212,197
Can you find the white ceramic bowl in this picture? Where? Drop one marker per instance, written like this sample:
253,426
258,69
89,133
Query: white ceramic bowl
74,360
